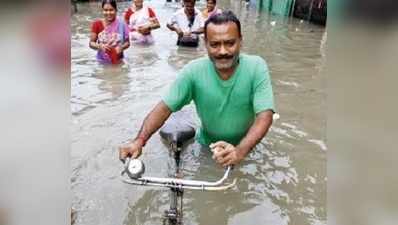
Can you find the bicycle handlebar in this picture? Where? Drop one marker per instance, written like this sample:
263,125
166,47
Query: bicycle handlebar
136,179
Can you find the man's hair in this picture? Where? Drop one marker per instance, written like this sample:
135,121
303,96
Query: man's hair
222,18
193,1
214,1
111,2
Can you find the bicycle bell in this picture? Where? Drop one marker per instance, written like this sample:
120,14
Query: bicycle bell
135,168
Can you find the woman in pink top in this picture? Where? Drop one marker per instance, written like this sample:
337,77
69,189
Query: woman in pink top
211,9
141,20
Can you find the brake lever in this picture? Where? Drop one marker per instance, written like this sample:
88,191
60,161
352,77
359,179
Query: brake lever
125,164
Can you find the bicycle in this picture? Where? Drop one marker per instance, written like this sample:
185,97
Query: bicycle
175,135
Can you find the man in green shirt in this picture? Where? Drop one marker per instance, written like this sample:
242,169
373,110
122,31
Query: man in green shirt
232,93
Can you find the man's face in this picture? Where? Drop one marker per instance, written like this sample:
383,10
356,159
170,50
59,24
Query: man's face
189,8
223,44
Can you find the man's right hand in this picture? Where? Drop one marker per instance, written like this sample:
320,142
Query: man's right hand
187,34
153,121
131,149
179,32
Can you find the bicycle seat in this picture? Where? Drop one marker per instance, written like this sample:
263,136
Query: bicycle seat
176,130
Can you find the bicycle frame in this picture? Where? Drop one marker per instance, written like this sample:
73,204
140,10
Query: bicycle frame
175,132
174,215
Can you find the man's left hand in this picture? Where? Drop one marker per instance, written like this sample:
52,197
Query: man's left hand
226,154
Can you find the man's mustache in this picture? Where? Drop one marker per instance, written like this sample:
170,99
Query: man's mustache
224,57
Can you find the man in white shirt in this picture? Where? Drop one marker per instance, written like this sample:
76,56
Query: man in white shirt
188,23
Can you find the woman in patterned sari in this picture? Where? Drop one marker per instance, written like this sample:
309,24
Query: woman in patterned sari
109,36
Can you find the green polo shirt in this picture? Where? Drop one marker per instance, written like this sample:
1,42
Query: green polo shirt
226,108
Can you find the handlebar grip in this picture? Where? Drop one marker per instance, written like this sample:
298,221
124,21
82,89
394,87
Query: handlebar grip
126,161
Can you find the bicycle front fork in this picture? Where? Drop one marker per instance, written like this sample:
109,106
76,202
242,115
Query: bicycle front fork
173,216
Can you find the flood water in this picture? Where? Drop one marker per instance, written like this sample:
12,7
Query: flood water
283,180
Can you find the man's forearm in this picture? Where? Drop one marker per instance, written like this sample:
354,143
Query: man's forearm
256,132
199,31
171,27
153,121
175,29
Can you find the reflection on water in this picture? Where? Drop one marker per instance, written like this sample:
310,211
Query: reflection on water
283,181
